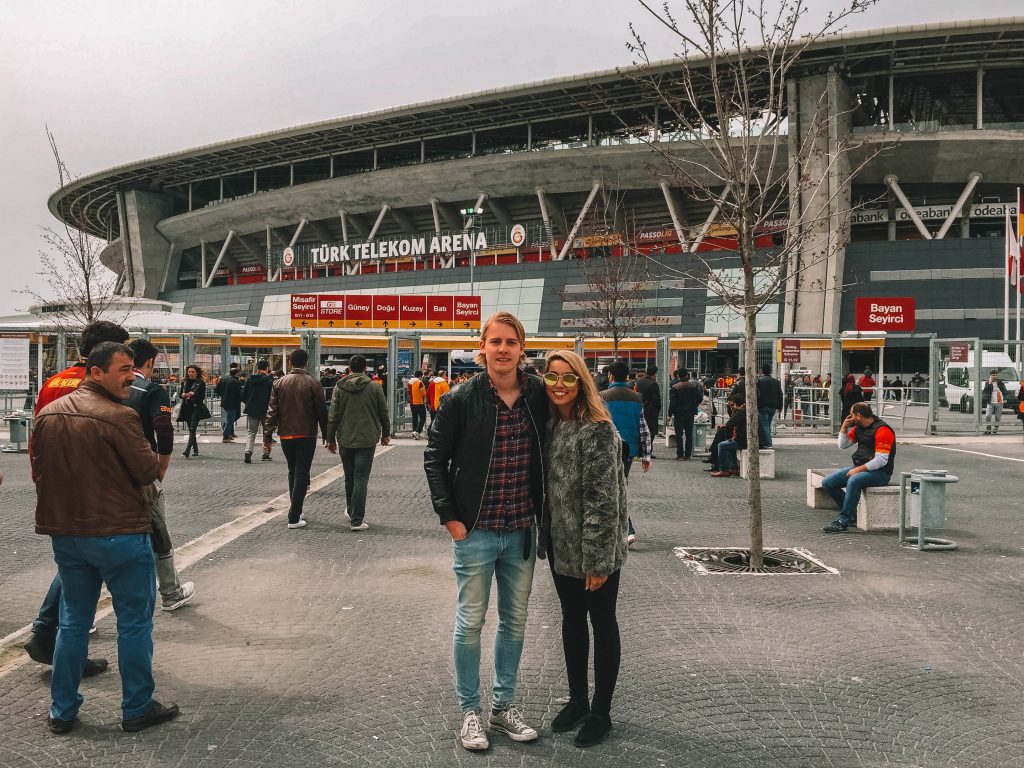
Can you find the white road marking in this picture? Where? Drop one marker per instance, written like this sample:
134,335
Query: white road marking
13,656
974,453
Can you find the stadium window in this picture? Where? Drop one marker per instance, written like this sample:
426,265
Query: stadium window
1004,100
448,147
932,102
350,163
274,177
312,170
562,133
238,184
205,192
398,155
501,140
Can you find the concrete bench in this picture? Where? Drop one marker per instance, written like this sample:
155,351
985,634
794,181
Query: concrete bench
767,463
817,497
879,508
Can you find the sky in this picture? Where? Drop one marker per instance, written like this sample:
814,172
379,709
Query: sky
119,81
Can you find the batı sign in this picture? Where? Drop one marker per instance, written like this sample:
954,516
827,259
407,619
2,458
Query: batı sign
886,313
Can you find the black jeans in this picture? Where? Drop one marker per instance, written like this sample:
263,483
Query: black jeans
419,417
683,426
357,463
577,603
298,451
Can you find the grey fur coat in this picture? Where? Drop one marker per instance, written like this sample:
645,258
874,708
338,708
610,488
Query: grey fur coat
587,520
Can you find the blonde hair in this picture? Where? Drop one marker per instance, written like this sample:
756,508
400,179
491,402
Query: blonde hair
589,408
508,319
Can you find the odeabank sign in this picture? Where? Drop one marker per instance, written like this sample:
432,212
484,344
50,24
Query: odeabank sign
886,313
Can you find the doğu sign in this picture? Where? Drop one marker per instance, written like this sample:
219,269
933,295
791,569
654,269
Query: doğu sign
886,313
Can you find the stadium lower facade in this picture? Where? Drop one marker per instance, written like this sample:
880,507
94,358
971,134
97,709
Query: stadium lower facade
373,203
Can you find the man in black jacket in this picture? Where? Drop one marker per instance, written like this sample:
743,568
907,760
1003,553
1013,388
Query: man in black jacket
734,439
229,389
650,393
256,396
769,402
684,399
993,398
485,471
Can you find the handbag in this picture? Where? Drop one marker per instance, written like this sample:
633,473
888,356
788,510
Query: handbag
203,411
176,412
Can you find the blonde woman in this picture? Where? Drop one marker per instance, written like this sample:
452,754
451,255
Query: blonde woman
584,535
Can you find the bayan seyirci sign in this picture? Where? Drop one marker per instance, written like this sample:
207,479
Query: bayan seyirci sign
886,313
385,312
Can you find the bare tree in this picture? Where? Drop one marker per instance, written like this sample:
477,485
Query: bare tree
79,287
725,100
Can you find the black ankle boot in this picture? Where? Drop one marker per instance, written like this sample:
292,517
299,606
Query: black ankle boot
572,715
595,730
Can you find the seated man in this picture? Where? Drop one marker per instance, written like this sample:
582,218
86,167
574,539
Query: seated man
734,437
873,463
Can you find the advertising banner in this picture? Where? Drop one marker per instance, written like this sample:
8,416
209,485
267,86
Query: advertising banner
14,361
886,313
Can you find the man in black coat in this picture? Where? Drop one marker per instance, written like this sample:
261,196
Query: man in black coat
993,398
650,393
684,400
769,402
229,389
256,396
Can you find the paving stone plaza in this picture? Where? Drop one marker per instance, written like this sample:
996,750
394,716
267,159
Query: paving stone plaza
325,647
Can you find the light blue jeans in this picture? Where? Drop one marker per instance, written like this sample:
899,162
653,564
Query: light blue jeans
125,563
478,558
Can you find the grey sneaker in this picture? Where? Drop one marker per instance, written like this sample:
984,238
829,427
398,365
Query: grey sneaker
473,736
510,722
360,526
188,591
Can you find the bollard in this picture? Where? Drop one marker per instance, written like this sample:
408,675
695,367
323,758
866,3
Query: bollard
926,491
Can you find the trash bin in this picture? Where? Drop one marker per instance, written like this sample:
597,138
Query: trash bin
700,437
19,423
928,497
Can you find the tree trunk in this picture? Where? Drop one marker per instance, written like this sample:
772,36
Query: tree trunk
750,387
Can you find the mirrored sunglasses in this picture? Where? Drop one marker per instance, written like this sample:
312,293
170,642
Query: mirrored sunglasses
567,379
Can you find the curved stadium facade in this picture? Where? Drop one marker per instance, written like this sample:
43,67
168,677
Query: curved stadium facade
371,203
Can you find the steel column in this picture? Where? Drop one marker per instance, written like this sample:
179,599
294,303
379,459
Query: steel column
434,203
980,100
380,218
220,258
893,183
670,202
972,182
579,221
343,215
710,220
547,219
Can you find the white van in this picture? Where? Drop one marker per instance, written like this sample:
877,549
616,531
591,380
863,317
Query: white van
959,379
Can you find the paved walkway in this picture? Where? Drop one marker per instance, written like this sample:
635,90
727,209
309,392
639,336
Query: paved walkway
325,647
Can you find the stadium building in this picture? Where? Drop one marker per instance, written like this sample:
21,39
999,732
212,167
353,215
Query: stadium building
372,203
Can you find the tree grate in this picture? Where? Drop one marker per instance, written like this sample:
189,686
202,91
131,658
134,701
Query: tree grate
707,561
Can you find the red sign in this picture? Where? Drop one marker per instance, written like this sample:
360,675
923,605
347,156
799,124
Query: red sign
385,311
440,312
304,307
331,312
790,350
958,353
886,313
358,311
412,311
467,312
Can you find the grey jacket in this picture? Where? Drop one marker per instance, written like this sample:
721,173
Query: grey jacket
359,413
586,497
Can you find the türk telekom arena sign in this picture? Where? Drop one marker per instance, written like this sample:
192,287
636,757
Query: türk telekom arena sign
886,313
398,248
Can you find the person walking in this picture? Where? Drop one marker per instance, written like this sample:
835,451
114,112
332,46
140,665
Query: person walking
150,401
229,390
769,402
193,406
358,420
485,470
873,463
417,395
297,409
684,399
993,398
626,409
95,473
43,638
437,389
256,396
585,540
650,394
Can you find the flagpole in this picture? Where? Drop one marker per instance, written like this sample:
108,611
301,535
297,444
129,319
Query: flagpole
1018,275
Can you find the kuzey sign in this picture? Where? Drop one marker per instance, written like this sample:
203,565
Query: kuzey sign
385,312
886,313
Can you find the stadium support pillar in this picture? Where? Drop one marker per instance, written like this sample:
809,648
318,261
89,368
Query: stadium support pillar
220,258
343,215
819,181
972,182
710,220
893,183
579,221
542,199
145,249
670,201
380,218
435,205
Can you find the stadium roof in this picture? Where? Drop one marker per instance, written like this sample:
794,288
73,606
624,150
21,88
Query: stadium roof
90,203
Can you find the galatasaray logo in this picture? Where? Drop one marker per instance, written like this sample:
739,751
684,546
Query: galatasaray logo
288,257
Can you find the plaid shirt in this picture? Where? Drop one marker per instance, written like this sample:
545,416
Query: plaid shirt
507,503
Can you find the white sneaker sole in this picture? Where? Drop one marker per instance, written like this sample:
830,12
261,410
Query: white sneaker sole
474,746
175,606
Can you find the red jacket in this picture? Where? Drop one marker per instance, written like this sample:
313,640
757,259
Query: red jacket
54,388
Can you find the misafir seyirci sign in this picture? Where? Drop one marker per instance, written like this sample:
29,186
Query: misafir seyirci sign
398,248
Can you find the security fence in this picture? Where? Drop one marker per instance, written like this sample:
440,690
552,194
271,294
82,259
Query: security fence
974,386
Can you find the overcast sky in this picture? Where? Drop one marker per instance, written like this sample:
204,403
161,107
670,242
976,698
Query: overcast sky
120,81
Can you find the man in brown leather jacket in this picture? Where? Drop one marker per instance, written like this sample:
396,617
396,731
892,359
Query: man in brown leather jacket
94,483
297,408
